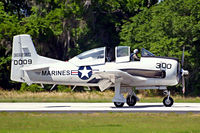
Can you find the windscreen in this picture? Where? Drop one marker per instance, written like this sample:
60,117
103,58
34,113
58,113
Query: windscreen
97,53
146,53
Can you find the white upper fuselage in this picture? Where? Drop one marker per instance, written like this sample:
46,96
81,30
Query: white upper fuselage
69,74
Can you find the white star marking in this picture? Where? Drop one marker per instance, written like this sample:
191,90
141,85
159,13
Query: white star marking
84,72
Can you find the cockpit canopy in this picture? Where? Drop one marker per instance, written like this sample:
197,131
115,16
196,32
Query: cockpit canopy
91,57
98,53
101,55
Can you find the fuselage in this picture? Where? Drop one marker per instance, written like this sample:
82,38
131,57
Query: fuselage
157,71
101,67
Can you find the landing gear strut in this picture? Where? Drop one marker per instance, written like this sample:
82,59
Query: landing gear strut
168,101
118,99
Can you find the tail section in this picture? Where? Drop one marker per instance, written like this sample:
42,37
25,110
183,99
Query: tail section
25,55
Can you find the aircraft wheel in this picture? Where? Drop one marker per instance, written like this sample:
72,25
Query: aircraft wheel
131,100
119,104
168,102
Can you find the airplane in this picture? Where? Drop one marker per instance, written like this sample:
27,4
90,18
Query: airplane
101,67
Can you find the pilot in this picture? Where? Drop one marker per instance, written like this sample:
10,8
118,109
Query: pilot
134,55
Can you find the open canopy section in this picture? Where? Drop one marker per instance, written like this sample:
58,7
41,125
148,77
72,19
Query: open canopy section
91,57
122,54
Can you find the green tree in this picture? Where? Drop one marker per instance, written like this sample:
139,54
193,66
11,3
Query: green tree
20,8
55,26
164,29
8,28
63,28
105,17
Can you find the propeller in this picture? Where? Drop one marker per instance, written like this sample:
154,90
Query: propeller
183,72
183,84
182,60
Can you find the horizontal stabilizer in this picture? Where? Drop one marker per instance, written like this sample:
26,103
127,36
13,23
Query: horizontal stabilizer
35,67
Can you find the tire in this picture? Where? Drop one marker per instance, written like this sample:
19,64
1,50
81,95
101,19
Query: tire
168,102
119,104
131,100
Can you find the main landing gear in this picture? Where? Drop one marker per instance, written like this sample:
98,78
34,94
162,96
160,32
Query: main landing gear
131,99
118,104
168,101
119,99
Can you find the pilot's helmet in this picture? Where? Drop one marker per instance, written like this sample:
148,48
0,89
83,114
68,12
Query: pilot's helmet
135,51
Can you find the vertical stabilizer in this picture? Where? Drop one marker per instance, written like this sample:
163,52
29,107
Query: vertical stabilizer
23,54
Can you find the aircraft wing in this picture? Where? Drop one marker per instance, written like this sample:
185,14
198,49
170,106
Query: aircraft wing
108,78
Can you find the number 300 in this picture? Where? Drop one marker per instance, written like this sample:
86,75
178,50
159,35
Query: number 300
163,65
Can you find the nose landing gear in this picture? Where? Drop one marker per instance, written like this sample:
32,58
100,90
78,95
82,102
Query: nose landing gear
168,101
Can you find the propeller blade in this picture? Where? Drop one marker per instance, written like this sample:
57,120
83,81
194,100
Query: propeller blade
183,84
183,72
182,60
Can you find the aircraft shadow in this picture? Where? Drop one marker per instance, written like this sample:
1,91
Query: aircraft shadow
141,106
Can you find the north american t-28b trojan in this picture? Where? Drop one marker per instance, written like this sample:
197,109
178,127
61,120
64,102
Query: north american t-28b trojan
100,67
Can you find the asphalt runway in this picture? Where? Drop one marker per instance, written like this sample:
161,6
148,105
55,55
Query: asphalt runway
97,107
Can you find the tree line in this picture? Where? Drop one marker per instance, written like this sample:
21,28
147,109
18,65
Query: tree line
61,29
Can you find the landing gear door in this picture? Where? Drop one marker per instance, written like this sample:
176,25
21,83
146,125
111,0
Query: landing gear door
122,54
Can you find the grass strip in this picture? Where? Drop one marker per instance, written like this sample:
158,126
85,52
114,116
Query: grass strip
94,96
99,123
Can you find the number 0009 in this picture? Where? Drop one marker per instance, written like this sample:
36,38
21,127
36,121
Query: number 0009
22,62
